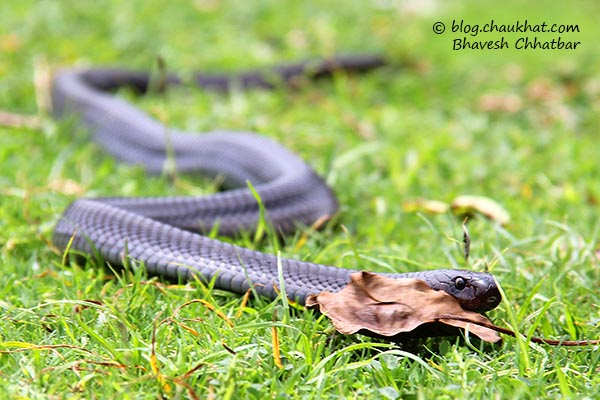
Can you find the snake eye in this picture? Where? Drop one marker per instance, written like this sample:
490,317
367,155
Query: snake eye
460,283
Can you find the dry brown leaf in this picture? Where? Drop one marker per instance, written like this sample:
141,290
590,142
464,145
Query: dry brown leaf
543,90
378,306
469,205
66,186
396,309
426,205
510,103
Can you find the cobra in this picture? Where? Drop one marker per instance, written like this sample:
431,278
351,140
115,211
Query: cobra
165,233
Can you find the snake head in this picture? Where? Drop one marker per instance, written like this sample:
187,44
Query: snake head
475,291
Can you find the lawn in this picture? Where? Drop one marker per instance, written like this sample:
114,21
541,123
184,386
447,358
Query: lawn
516,125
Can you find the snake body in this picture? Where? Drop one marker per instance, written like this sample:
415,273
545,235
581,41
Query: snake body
164,233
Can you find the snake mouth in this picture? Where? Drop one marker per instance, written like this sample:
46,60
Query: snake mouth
484,296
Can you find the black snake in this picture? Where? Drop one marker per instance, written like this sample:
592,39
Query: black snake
164,232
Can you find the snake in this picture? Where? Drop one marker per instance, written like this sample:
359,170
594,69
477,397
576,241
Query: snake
168,235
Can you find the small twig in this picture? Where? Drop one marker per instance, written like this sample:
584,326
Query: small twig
229,349
13,120
509,332
466,240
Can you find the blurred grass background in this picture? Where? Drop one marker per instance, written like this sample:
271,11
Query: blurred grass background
517,126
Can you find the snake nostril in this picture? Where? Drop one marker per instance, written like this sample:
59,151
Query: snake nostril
492,299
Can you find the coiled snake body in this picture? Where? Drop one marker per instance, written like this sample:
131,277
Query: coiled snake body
162,232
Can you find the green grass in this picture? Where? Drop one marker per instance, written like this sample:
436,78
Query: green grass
415,129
